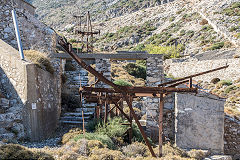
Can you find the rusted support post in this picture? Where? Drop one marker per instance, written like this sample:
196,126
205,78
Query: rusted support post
131,118
161,124
190,83
138,124
106,109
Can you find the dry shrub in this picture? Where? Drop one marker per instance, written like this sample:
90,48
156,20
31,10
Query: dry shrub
198,154
105,153
136,110
15,151
169,150
203,22
135,149
40,60
71,134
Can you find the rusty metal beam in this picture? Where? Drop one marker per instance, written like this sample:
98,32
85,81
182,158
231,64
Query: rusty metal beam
133,90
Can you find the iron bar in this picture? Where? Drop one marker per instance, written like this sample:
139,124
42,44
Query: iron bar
161,106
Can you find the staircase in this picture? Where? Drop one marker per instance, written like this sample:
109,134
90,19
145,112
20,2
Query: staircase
74,118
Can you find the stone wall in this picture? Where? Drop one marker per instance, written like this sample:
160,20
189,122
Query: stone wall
154,77
34,34
103,66
33,93
232,136
199,122
180,68
22,4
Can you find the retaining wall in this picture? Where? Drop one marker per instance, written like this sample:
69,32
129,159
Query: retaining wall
34,98
179,68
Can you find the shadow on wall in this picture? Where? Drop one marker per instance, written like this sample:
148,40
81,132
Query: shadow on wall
11,109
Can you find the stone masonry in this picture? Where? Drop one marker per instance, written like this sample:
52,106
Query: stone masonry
34,102
34,34
103,66
199,122
180,68
232,136
154,77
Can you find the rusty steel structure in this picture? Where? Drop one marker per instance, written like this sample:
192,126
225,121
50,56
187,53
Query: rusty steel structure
85,31
117,94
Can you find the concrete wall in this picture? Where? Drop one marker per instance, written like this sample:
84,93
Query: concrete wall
34,34
199,122
34,98
232,136
181,69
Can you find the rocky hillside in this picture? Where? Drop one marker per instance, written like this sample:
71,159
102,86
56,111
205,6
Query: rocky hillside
58,13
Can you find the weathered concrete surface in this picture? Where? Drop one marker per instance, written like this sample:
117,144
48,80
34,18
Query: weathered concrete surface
34,106
199,122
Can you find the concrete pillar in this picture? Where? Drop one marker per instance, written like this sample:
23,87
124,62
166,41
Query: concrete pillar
155,76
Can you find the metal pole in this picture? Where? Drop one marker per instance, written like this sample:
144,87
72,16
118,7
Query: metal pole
17,34
161,124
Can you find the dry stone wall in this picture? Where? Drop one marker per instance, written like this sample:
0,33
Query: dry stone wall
103,66
154,77
34,34
232,136
180,68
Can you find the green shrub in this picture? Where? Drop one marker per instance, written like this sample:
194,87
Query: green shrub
121,82
233,10
182,32
141,62
72,40
15,151
40,60
230,88
113,128
217,45
104,139
167,51
136,70
224,83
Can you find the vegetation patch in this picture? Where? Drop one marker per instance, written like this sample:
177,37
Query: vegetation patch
15,151
40,60
136,70
233,9
121,82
